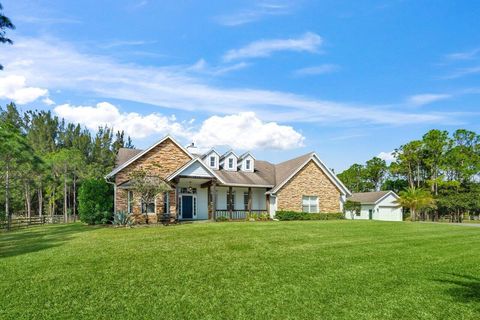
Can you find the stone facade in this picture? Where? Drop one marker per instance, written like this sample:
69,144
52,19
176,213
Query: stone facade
161,161
309,181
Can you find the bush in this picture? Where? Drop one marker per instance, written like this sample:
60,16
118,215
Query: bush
122,219
221,219
95,202
294,215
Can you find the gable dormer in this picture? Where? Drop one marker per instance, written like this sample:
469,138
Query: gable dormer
212,159
229,161
246,162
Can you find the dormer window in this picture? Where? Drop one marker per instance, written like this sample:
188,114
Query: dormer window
247,163
230,163
212,162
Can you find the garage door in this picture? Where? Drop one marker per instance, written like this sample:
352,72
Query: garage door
390,213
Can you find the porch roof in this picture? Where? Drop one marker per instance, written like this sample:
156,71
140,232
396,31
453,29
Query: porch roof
129,184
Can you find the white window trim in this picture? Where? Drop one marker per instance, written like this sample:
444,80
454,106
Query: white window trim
212,157
309,204
130,199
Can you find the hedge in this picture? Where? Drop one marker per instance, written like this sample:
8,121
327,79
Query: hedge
294,215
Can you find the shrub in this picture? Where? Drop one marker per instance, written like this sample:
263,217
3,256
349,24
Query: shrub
221,219
122,219
95,202
294,215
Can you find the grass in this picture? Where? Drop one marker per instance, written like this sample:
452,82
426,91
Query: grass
283,270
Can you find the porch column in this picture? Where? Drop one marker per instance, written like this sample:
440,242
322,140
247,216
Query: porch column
230,203
209,202
249,205
214,199
267,202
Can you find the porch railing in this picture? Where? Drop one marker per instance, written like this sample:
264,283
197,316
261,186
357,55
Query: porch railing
238,214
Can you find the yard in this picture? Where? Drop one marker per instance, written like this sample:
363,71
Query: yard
303,270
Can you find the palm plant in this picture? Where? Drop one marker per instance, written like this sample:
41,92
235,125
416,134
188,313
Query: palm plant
416,199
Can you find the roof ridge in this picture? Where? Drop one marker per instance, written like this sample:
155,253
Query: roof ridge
296,158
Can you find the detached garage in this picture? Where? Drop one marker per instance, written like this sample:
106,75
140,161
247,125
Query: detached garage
379,205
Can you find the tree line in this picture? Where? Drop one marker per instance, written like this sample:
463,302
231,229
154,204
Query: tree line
44,160
443,165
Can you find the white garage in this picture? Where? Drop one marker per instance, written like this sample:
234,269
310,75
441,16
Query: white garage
379,205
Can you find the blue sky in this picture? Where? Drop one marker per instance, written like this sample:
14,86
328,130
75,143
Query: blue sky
347,79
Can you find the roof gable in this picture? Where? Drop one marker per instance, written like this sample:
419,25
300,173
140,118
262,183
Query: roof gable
226,154
142,153
195,168
285,171
209,152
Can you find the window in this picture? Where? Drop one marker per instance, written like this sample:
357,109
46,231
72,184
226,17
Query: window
310,204
230,163
231,200
247,164
130,202
166,203
188,190
148,207
245,200
212,162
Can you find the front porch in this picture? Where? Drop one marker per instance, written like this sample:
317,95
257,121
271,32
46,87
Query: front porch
202,199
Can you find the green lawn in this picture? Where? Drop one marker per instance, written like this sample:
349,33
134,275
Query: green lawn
275,270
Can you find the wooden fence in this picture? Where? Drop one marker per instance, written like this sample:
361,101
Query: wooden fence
19,222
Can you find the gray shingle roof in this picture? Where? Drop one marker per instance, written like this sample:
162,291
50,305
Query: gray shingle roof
285,169
125,154
368,197
265,173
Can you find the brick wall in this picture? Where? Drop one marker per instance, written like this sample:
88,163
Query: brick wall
309,181
161,161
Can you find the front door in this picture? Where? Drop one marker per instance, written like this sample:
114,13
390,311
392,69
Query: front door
370,214
187,207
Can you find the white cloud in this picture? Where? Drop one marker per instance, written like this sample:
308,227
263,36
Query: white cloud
466,55
56,65
48,101
201,66
427,98
387,156
246,131
309,42
321,69
134,124
124,43
260,10
14,88
463,72
241,131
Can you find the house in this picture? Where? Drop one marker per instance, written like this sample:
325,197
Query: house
210,185
381,205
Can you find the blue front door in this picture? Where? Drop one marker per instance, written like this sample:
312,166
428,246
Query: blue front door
187,207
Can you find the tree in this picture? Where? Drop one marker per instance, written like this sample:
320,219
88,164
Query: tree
409,162
415,199
462,159
14,151
147,187
5,24
435,143
352,207
95,201
353,178
374,172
